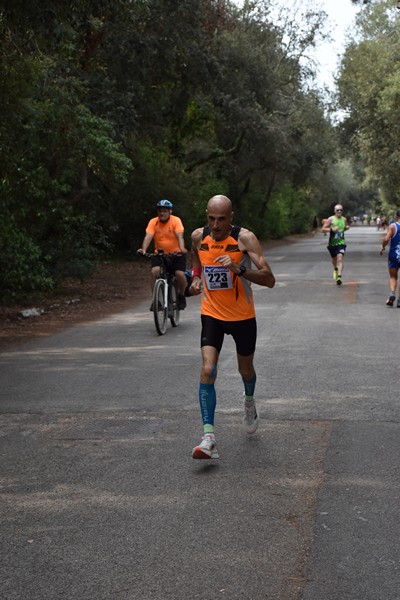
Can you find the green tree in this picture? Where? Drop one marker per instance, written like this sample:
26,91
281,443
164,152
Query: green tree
110,106
58,158
369,93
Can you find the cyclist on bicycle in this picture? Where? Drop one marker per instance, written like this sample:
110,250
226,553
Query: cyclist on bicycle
167,232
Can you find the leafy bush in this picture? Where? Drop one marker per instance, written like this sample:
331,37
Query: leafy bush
22,271
288,212
73,244
69,246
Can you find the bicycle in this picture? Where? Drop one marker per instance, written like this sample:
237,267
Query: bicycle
165,295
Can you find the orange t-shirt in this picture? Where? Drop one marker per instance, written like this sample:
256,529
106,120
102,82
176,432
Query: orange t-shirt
225,295
164,234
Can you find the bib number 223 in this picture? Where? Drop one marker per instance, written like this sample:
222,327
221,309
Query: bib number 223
217,278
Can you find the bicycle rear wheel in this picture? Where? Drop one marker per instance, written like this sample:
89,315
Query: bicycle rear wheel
173,310
160,310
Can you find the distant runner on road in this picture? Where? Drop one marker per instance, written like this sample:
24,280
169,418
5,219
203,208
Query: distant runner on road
393,237
336,225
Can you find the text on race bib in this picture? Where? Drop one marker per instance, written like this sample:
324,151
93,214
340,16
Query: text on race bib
217,278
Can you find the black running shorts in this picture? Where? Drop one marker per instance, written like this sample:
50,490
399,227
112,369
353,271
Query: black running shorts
243,332
335,250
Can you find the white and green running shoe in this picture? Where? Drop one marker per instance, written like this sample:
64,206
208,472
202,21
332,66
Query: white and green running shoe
250,417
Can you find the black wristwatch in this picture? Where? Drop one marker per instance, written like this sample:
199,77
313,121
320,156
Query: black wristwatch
242,270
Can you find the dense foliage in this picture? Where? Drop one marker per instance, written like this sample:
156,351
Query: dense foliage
369,95
109,106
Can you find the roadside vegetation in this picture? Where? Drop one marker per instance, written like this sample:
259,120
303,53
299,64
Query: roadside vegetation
108,107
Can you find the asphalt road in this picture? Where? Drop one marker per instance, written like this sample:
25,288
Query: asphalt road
100,498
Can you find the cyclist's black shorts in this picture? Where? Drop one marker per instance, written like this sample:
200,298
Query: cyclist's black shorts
243,332
174,263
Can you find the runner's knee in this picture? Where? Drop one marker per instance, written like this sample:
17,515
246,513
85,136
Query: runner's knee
208,372
246,369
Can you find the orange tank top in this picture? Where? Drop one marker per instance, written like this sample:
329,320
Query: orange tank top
225,295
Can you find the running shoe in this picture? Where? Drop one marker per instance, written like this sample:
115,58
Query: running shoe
339,280
250,418
335,274
390,300
398,302
207,447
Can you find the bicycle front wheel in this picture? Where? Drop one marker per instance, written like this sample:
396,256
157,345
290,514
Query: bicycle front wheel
160,309
173,310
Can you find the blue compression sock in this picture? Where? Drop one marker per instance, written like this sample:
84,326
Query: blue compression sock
249,387
208,401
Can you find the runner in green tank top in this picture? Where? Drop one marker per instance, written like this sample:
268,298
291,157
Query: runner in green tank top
336,225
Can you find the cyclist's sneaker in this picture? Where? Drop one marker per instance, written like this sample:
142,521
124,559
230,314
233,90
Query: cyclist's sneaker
339,280
250,417
181,302
335,274
152,306
390,300
207,448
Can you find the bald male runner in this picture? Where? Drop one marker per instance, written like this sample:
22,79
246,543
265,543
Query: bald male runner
226,260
